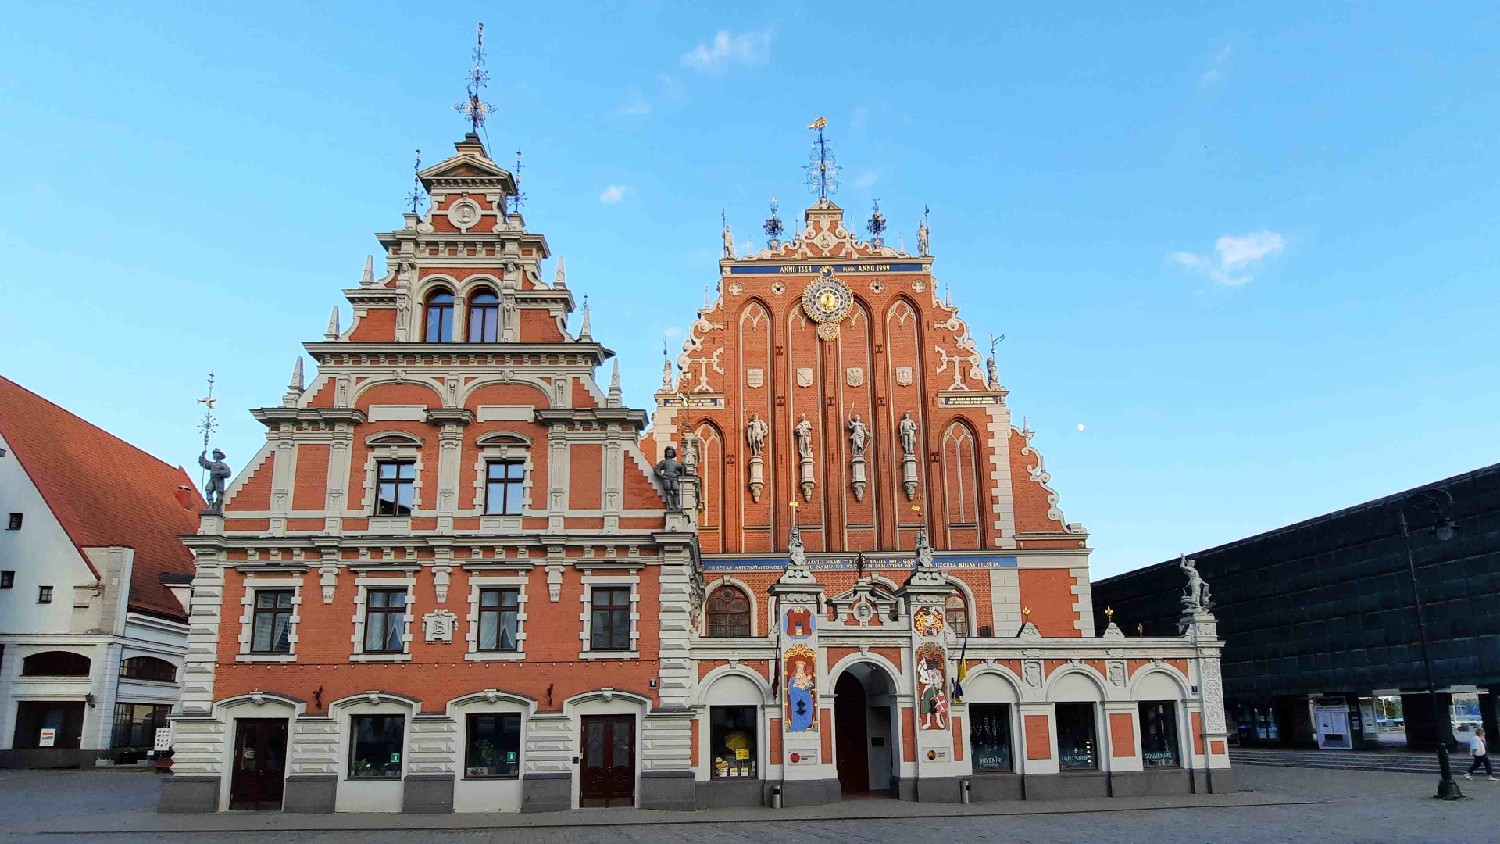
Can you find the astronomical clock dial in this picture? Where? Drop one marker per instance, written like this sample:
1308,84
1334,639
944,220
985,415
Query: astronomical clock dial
827,301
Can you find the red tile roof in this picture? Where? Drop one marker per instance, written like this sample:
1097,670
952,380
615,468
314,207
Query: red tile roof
105,492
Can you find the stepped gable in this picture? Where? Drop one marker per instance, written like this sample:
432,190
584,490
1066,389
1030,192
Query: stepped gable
105,492
887,346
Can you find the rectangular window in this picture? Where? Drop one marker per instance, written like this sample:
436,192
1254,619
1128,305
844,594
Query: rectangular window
44,594
15,521
499,619
731,742
271,627
375,746
7,580
136,724
494,747
385,621
1077,742
1159,734
609,624
395,487
989,737
502,489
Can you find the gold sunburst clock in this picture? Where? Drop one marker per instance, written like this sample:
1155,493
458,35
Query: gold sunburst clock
827,301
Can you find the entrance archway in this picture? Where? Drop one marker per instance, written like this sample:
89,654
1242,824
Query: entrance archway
864,731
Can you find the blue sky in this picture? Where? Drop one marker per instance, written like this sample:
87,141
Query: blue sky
1253,252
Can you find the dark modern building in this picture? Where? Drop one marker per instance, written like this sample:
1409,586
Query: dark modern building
1320,619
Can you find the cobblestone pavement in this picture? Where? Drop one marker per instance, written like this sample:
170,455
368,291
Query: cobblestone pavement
1354,806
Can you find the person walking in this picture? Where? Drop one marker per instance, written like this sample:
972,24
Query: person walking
1481,756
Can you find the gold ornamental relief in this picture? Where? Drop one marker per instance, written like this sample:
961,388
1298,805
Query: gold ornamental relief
827,301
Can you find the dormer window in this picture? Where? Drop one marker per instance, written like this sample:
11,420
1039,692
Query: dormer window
439,317
484,317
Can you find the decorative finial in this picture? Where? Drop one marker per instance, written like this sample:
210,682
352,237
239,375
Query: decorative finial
822,168
294,386
1109,614
616,395
1140,629
948,295
414,198
1025,615
369,277
472,107
666,366
560,277
519,197
587,332
333,325
208,424
876,225
773,227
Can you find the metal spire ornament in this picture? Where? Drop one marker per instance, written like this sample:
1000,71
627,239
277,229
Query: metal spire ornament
414,198
822,168
472,107
773,227
519,197
208,424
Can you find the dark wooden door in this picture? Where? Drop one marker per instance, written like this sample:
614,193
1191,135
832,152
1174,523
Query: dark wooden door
851,741
259,776
607,777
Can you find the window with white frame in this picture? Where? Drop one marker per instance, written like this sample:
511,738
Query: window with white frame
610,616
499,619
376,743
395,487
383,618
271,621
504,482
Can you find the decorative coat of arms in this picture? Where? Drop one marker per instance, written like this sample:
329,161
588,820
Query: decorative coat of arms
755,378
927,622
904,376
854,376
827,301
438,626
804,376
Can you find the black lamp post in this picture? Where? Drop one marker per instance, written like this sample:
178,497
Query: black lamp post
1437,502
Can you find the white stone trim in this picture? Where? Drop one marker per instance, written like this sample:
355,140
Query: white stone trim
254,584
590,581
476,583
365,582
496,451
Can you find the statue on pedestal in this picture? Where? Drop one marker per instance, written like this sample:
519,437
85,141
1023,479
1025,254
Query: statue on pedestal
669,471
756,431
907,429
859,434
803,432
218,479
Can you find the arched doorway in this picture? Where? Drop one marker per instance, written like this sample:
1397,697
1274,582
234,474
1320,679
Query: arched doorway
864,731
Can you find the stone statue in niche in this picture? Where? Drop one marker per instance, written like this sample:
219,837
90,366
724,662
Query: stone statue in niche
859,435
755,434
669,471
803,432
218,480
907,429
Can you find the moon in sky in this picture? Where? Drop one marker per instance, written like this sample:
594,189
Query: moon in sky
1080,426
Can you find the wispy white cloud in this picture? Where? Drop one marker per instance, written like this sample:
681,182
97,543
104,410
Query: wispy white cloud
612,195
1234,256
728,48
866,180
1215,71
635,104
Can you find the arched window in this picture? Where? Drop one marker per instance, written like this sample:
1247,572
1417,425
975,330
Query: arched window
439,317
148,668
956,614
484,317
55,664
728,611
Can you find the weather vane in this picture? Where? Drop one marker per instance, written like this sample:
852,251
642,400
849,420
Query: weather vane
773,226
209,423
995,340
415,197
520,197
474,108
822,168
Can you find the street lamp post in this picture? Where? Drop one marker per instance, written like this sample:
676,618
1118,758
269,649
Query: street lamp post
1438,502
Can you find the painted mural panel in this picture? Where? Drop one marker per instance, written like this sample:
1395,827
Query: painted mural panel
932,687
800,665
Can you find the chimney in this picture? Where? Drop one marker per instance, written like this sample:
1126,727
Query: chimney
185,497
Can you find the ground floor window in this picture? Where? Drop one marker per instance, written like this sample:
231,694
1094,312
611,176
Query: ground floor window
1159,734
48,723
989,737
1077,743
375,744
494,746
136,724
731,742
